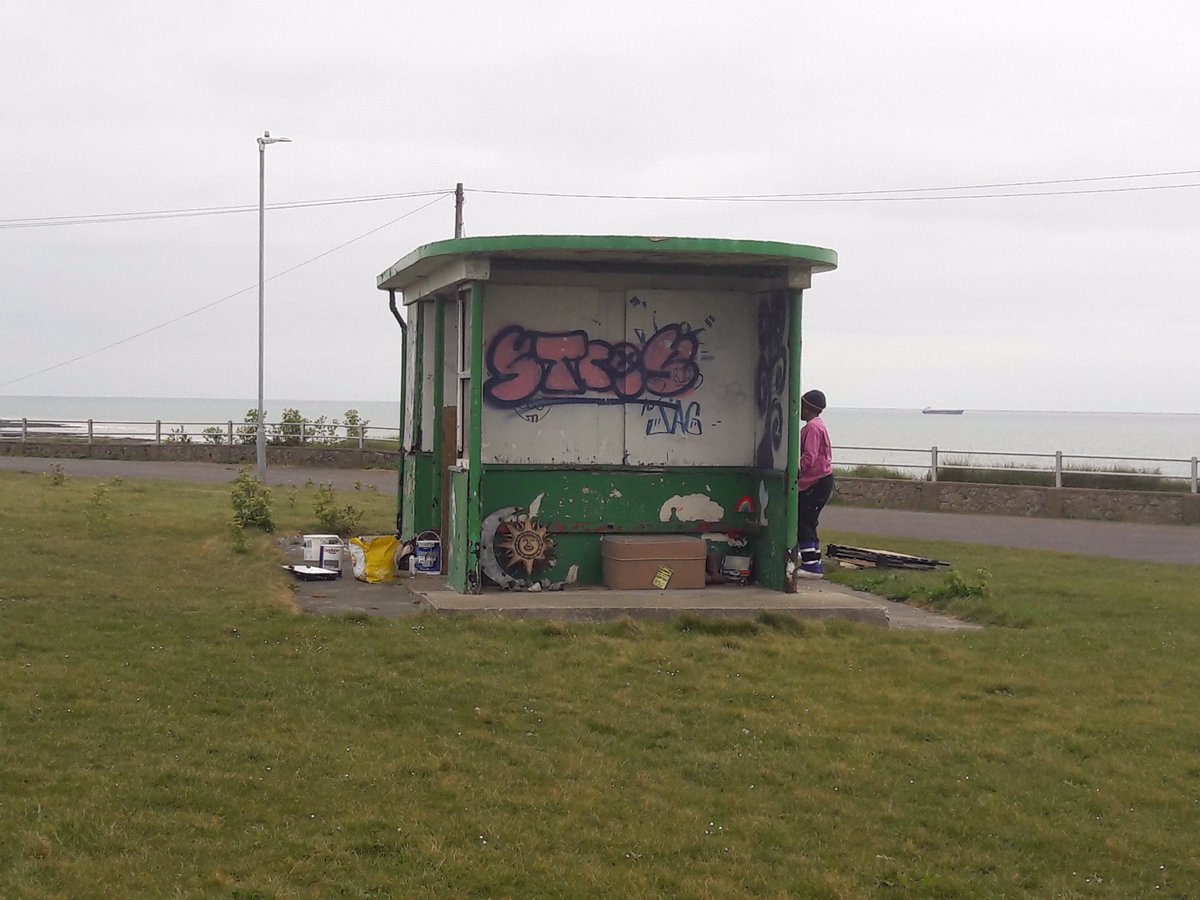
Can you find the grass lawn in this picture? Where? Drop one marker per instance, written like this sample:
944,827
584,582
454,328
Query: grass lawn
169,725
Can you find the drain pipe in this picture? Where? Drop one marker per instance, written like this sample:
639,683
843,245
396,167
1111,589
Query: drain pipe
403,407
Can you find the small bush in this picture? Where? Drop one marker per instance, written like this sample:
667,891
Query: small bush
238,541
56,474
875,471
356,425
251,502
248,433
97,509
956,586
1075,475
340,520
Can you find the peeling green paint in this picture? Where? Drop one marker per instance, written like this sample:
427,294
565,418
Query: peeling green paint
579,506
420,505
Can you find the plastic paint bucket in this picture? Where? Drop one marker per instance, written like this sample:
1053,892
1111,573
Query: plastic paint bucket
427,554
331,557
313,544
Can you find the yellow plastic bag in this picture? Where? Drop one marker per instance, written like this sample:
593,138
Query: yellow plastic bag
374,558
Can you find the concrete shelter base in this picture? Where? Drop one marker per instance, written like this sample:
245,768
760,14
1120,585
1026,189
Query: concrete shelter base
813,600
415,594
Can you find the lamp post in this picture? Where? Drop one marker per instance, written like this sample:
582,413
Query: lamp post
260,438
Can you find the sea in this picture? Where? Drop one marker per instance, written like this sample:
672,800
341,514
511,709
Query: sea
895,437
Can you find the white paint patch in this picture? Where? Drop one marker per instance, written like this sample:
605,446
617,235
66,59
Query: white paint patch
614,493
585,490
692,508
716,537
536,504
763,499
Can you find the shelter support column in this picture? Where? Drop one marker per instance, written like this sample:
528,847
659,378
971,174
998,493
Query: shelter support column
475,453
795,310
439,396
412,461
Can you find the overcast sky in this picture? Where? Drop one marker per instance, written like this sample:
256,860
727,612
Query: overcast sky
1084,301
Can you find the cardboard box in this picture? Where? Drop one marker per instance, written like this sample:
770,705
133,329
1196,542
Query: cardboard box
652,562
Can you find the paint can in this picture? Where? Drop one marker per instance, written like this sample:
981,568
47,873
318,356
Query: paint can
313,544
331,557
427,554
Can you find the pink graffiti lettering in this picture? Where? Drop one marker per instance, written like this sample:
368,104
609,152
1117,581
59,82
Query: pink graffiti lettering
525,366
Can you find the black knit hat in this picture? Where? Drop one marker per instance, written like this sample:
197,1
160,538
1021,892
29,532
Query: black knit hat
815,399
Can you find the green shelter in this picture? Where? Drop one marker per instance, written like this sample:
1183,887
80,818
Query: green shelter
559,388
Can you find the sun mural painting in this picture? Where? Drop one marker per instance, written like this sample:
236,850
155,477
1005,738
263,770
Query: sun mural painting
526,543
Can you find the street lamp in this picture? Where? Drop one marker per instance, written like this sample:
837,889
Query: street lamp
260,439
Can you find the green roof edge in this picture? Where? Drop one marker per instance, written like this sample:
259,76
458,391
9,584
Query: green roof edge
820,257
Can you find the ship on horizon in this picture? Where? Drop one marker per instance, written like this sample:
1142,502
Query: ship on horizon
933,411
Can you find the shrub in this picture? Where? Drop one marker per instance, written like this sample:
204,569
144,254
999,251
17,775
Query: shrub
251,502
340,520
248,433
97,510
956,586
355,424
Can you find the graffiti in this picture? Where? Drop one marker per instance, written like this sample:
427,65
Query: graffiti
672,417
528,368
771,377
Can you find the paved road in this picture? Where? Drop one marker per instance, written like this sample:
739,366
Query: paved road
1121,540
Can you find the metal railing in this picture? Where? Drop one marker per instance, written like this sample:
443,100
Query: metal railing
929,463
224,434
933,463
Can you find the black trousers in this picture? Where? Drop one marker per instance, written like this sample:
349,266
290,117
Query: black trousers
812,501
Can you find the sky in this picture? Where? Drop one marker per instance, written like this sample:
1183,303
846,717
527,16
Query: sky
1064,301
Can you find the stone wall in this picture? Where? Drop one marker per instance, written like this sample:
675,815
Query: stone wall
1152,507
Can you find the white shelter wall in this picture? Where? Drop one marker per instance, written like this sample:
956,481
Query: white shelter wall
702,411
427,312
582,375
534,410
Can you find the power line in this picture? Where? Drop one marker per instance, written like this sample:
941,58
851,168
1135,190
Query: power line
207,306
104,218
874,195
881,195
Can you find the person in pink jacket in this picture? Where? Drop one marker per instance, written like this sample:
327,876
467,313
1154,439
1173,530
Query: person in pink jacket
815,485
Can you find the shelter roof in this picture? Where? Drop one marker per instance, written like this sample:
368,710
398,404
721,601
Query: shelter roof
630,252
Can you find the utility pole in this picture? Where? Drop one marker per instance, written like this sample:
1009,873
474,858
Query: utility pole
458,207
